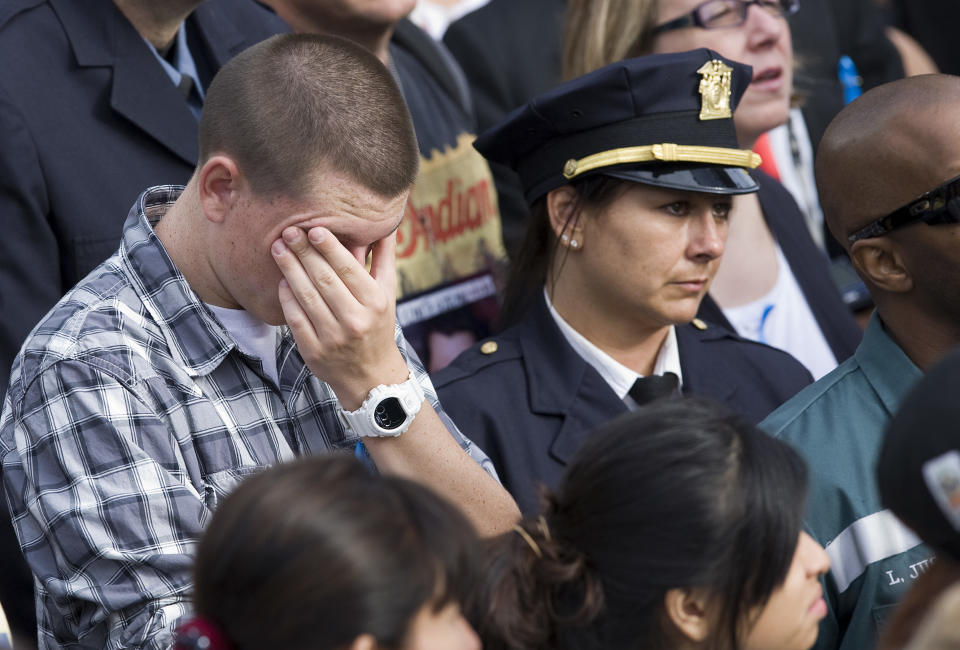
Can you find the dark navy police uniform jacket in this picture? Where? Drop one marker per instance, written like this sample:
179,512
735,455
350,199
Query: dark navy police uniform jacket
531,403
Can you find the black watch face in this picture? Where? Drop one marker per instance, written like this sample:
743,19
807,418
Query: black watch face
389,414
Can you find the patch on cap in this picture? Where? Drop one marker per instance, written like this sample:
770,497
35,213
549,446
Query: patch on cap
715,89
942,475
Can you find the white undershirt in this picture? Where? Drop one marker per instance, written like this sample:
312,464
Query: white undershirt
619,377
783,319
434,17
253,337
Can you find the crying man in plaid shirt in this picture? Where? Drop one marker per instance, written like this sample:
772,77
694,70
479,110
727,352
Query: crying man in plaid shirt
246,319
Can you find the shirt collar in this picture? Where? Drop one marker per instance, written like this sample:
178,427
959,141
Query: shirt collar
619,377
183,63
886,366
191,331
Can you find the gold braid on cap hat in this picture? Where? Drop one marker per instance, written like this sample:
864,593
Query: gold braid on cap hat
665,152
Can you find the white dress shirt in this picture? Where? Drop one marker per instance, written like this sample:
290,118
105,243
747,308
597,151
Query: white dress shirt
619,377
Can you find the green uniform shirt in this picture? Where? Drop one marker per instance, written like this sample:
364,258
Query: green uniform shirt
837,424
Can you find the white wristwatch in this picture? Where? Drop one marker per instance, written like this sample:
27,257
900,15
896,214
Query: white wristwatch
387,411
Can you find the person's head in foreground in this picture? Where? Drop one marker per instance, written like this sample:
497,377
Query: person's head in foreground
320,554
677,526
918,475
630,173
888,175
755,32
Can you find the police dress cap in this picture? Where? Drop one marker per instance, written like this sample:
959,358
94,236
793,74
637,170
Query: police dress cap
662,119
918,472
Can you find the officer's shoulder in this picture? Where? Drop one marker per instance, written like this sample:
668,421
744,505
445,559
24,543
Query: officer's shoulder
10,9
482,357
722,338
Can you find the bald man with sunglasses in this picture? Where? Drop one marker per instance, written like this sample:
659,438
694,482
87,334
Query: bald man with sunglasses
888,173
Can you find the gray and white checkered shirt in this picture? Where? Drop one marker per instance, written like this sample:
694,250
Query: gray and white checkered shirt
131,412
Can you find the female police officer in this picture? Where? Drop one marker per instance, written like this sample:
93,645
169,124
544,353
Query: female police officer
629,171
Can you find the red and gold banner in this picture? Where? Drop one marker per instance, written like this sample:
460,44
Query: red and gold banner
451,229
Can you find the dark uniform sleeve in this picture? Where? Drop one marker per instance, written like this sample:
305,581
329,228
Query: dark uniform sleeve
481,394
469,410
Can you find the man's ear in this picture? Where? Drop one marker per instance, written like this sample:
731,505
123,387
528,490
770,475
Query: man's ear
563,208
687,609
220,186
880,262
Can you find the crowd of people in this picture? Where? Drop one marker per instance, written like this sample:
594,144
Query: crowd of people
553,334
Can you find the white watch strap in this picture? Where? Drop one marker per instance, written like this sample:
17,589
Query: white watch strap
361,422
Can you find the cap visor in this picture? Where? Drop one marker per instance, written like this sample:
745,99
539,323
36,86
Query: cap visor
711,179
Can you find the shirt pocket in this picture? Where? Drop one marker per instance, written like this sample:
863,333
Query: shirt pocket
218,485
881,614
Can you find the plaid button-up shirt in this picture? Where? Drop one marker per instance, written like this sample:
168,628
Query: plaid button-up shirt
131,412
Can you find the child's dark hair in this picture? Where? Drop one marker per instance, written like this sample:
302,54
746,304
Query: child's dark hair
312,554
678,494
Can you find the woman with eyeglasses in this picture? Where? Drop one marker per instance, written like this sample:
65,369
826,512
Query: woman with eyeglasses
774,284
675,527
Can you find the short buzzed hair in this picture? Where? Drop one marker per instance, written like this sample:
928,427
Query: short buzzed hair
286,106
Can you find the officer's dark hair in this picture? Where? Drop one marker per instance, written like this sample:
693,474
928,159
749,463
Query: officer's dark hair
311,554
678,494
294,102
529,271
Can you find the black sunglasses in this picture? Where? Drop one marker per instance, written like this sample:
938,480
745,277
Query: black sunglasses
939,205
714,14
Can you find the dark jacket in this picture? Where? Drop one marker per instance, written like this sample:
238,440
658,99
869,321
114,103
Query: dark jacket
532,402
88,120
932,23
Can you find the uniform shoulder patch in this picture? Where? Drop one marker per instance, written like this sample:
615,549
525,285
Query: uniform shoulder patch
475,359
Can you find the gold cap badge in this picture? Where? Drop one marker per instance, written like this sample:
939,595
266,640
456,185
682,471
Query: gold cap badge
715,89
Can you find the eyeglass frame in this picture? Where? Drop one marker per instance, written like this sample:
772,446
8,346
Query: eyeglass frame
693,19
930,208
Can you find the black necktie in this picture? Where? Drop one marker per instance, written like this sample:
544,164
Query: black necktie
186,85
648,389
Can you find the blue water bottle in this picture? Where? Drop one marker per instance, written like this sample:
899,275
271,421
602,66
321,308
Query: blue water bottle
849,78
